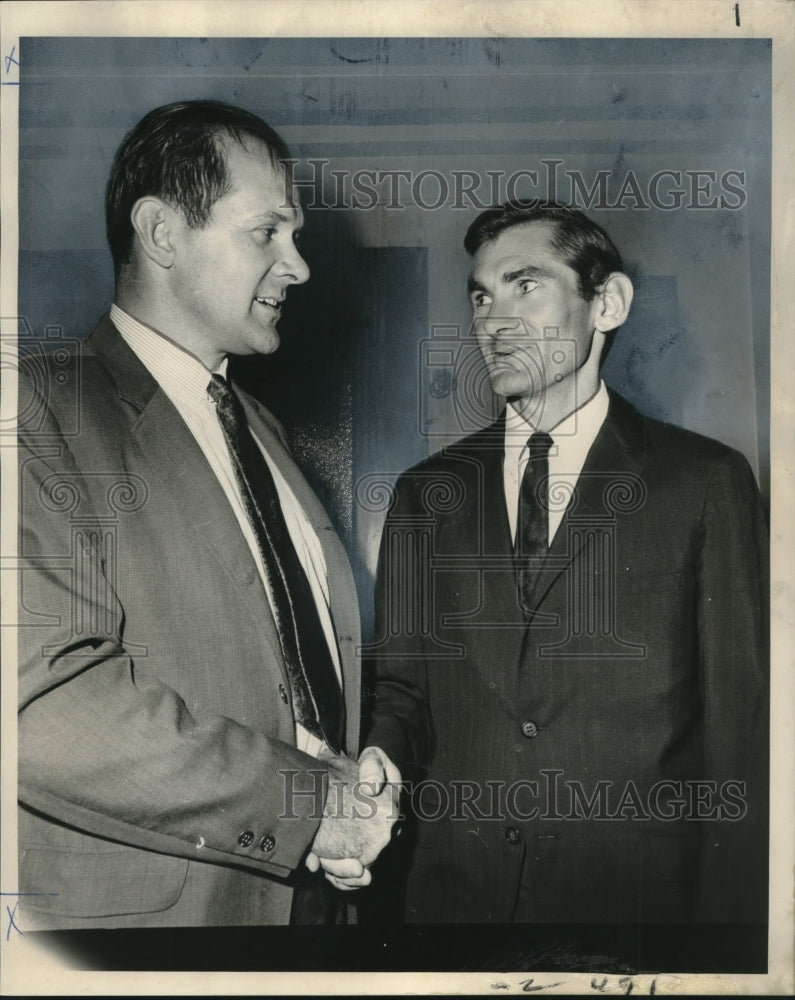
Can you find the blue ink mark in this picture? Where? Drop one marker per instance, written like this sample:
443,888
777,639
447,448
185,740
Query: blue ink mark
11,61
11,922
12,913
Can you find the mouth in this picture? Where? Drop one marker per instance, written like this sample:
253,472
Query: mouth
270,301
502,359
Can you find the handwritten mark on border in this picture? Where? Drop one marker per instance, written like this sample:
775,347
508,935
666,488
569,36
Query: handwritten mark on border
12,913
12,65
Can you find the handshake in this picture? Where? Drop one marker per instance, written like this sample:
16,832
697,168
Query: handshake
360,811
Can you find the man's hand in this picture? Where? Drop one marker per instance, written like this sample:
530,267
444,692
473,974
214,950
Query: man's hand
376,770
361,808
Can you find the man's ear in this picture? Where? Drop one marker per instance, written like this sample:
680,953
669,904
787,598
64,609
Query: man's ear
152,221
613,302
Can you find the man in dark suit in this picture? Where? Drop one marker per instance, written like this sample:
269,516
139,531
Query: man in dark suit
187,645
571,645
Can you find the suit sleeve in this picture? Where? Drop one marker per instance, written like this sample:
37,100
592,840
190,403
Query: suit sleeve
399,716
734,655
113,751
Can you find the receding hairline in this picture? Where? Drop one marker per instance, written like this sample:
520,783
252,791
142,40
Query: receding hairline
226,136
255,147
252,145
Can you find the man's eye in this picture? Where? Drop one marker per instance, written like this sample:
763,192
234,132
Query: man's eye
480,300
266,233
527,285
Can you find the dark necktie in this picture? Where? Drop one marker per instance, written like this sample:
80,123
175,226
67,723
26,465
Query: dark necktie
317,700
532,529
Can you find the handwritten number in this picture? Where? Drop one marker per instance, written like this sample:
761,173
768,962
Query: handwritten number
626,984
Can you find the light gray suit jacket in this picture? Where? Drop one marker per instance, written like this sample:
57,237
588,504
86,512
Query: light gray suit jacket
159,780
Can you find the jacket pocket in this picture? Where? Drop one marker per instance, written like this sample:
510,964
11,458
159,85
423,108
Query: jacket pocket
100,883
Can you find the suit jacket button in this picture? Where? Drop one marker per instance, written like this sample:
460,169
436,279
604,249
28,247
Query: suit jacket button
246,838
283,693
530,730
267,843
512,835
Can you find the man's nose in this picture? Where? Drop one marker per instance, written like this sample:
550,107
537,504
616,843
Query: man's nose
502,327
292,265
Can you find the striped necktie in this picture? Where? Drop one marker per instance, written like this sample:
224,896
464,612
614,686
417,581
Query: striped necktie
316,695
532,530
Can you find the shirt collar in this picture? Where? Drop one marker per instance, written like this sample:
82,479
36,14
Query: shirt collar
584,422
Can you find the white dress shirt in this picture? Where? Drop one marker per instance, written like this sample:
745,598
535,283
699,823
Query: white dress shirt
184,379
572,439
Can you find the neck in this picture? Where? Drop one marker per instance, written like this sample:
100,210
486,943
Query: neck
561,399
152,307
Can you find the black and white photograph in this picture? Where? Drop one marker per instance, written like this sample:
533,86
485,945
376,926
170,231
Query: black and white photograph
397,498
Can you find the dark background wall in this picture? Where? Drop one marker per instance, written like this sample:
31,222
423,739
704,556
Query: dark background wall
376,368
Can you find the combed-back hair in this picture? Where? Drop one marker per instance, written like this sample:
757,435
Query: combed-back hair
581,243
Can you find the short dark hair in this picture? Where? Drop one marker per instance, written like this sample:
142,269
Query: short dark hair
175,153
583,245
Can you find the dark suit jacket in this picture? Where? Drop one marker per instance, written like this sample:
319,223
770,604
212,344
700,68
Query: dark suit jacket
642,671
156,735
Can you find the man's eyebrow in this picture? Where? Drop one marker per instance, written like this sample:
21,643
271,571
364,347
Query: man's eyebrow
527,271
271,217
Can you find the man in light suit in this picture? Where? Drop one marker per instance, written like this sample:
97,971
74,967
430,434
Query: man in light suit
181,737
571,642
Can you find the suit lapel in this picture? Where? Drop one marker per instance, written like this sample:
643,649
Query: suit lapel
479,530
612,467
480,525
179,463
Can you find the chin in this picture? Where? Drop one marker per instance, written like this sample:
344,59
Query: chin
505,384
273,345
266,343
